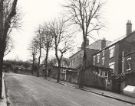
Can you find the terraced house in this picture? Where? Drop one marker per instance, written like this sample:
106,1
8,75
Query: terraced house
120,57
76,60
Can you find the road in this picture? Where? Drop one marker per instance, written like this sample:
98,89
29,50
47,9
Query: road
24,90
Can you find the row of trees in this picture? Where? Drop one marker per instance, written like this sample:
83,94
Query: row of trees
51,35
82,13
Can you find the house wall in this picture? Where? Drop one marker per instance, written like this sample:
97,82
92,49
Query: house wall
72,77
108,60
95,77
77,59
129,63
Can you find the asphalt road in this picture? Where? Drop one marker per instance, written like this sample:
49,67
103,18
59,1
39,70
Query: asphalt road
24,90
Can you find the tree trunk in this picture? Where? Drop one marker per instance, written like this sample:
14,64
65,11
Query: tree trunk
46,62
59,67
58,60
82,71
1,38
33,64
1,65
39,58
38,66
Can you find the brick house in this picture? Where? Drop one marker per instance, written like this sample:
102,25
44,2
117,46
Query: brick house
113,56
76,61
77,58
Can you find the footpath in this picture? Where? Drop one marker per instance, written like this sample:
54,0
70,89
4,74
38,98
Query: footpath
104,93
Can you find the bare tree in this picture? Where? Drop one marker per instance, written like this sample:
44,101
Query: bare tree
43,40
47,44
61,41
39,45
85,14
33,48
5,24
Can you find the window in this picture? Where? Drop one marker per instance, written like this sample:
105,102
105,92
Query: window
103,57
111,65
111,51
94,60
103,74
106,74
128,63
103,60
103,53
100,73
98,58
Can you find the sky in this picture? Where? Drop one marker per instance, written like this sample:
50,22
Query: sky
115,15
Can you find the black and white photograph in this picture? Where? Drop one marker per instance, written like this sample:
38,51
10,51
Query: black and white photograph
67,53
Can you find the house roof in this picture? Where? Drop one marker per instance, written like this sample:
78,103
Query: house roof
87,49
74,53
93,46
116,41
97,45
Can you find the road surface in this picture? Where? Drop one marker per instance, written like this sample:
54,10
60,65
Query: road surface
24,90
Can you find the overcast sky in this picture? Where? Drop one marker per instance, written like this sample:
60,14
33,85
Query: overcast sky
35,12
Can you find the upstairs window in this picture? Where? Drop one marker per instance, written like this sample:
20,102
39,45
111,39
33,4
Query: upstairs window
103,53
103,57
128,63
94,60
111,51
106,74
98,58
103,60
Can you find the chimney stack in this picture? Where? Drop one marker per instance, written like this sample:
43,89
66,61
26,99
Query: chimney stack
103,43
128,27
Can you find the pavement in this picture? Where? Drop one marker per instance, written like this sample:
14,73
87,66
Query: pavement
112,95
25,90
104,93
